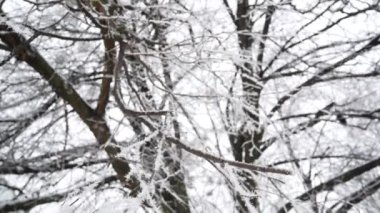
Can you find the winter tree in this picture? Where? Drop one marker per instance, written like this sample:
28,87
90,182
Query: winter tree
189,106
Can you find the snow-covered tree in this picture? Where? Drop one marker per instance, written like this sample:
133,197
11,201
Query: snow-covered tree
189,106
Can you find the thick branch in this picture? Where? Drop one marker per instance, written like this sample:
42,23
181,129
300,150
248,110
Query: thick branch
28,204
330,184
109,57
358,196
51,166
264,36
97,124
230,11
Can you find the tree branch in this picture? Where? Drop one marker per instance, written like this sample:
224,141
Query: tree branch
264,36
356,197
51,166
109,58
330,184
28,204
96,123
374,42
230,12
223,161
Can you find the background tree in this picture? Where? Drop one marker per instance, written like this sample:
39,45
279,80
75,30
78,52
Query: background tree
195,106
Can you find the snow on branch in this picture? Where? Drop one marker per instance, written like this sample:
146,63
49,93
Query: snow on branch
223,161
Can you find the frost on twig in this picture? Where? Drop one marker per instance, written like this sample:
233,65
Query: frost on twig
223,161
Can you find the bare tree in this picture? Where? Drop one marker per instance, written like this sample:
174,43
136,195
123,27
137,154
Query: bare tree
209,106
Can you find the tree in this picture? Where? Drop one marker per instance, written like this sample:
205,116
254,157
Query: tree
256,106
